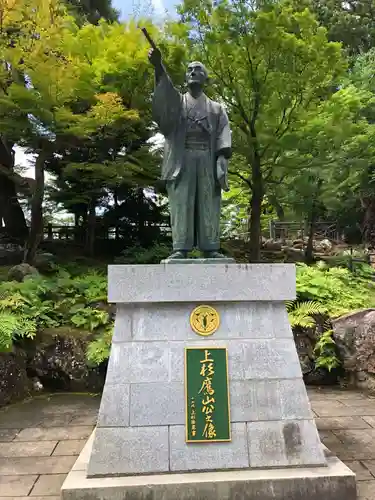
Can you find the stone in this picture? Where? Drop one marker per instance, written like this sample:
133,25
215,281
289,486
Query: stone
249,359
58,359
223,260
13,466
369,420
8,434
284,444
14,382
54,433
114,406
138,363
48,485
84,420
254,400
29,449
354,334
294,402
70,447
157,404
337,423
214,282
252,320
34,498
366,490
21,271
122,331
334,482
360,471
45,262
132,450
141,424
323,245
10,253
272,245
16,485
186,457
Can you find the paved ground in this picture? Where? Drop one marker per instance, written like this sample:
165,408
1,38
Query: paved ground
41,439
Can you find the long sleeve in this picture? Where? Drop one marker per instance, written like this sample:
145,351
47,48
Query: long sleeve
166,105
224,139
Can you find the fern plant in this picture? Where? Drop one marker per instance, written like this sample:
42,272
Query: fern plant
325,352
303,314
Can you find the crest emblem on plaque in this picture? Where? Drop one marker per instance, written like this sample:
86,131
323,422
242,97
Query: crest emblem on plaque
204,320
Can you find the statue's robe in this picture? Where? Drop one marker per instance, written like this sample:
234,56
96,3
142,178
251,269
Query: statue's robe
196,132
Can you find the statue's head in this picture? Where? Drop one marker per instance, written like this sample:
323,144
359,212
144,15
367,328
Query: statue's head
196,74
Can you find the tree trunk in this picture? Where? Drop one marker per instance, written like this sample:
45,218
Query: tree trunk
276,205
257,195
90,234
36,229
309,251
368,229
10,208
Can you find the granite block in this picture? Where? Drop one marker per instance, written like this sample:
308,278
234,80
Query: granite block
197,283
137,362
335,482
177,355
122,451
114,406
16,485
200,456
247,359
157,404
252,320
122,331
266,359
222,260
284,444
294,401
252,400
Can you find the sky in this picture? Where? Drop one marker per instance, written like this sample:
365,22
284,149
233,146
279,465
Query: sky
130,7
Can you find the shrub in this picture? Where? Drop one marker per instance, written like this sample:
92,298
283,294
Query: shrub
324,293
62,301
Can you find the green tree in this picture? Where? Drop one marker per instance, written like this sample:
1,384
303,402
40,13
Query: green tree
98,168
92,10
351,22
63,101
278,67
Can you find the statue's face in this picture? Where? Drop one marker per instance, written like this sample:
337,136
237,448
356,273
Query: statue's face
196,74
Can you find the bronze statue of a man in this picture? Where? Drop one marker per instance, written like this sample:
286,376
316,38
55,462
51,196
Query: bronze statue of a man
196,153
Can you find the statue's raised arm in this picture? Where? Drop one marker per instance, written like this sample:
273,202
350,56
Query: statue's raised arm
166,103
197,149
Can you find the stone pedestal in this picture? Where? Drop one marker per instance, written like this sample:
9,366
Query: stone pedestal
141,423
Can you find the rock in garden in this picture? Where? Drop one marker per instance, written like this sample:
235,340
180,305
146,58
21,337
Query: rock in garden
10,253
14,383
354,334
272,245
58,359
323,246
21,271
45,262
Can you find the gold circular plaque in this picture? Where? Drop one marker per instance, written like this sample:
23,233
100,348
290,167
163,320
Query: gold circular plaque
204,320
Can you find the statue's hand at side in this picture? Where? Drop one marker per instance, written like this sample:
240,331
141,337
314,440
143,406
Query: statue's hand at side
222,172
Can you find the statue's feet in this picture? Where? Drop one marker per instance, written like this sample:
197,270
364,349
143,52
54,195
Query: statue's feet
178,254
213,255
